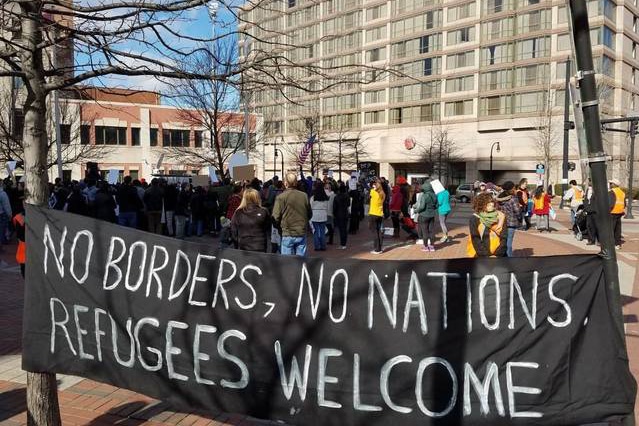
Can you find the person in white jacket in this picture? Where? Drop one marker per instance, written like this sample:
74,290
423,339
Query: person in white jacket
319,205
576,197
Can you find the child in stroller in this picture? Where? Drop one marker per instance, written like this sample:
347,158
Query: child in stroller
579,228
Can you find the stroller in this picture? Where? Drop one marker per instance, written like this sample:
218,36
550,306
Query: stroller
579,228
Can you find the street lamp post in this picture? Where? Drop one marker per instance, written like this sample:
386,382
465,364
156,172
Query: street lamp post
281,159
491,158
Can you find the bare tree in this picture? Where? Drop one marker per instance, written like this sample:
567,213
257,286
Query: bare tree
547,138
211,105
73,149
439,152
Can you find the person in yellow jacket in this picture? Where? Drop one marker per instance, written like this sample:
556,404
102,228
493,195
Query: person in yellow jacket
617,199
21,252
488,232
376,214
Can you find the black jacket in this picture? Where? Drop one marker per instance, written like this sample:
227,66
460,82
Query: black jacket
340,207
128,199
170,198
104,206
250,228
153,199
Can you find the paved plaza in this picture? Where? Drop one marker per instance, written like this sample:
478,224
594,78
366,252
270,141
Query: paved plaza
85,402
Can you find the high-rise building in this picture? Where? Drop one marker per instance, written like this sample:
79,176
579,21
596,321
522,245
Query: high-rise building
419,73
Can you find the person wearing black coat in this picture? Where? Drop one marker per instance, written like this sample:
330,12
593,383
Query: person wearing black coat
76,203
198,213
130,204
170,201
341,207
357,209
104,204
251,223
182,211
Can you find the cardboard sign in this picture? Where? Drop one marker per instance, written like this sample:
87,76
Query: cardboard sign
311,341
241,173
200,180
437,186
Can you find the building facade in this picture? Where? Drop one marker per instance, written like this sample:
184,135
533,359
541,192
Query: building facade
464,74
132,132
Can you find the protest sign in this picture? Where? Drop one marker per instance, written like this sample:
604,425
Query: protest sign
437,186
213,174
314,341
241,173
113,176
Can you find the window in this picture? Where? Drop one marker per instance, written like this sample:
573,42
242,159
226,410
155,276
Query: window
498,29
375,96
291,3
496,80
460,84
563,42
378,54
199,134
529,102
85,134
461,12
65,134
608,37
534,21
531,75
153,137
533,48
374,117
108,135
376,34
174,137
495,105
234,140
460,60
135,136
462,35
562,15
459,108
376,12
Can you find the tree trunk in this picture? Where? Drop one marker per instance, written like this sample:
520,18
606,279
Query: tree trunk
42,393
42,400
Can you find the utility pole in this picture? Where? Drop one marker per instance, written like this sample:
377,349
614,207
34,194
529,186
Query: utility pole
580,31
631,176
564,166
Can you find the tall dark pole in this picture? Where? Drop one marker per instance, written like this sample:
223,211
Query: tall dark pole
564,166
491,159
275,157
339,159
631,170
597,160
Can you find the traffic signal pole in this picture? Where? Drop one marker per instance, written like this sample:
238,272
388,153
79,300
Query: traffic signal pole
580,29
633,124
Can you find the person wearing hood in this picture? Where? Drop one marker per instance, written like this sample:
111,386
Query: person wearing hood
508,203
426,210
443,210
487,237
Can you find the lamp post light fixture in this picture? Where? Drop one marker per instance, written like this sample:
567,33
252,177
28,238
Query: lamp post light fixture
281,159
491,158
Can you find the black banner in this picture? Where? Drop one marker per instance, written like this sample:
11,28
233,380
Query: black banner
312,341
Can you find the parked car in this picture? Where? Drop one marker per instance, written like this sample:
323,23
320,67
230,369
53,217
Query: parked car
464,192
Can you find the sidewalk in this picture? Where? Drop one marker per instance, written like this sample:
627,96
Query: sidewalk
85,402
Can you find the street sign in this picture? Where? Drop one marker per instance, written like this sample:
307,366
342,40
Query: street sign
541,169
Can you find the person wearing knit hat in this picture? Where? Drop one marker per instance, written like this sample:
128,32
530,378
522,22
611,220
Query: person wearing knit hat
617,200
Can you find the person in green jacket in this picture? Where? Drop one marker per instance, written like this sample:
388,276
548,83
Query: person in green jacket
426,209
443,210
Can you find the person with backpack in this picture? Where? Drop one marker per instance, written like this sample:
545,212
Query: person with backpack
576,197
487,226
426,209
509,205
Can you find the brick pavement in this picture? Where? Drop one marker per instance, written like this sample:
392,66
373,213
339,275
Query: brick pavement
85,402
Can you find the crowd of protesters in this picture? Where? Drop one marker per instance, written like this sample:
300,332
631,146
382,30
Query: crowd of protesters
500,211
277,215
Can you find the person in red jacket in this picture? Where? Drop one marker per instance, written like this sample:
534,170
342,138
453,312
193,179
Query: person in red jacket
541,208
395,206
21,252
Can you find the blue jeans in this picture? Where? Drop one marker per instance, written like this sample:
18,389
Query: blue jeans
128,219
509,241
294,246
319,235
197,227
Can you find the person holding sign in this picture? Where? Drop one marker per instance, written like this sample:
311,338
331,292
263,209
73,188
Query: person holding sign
251,223
376,214
488,236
